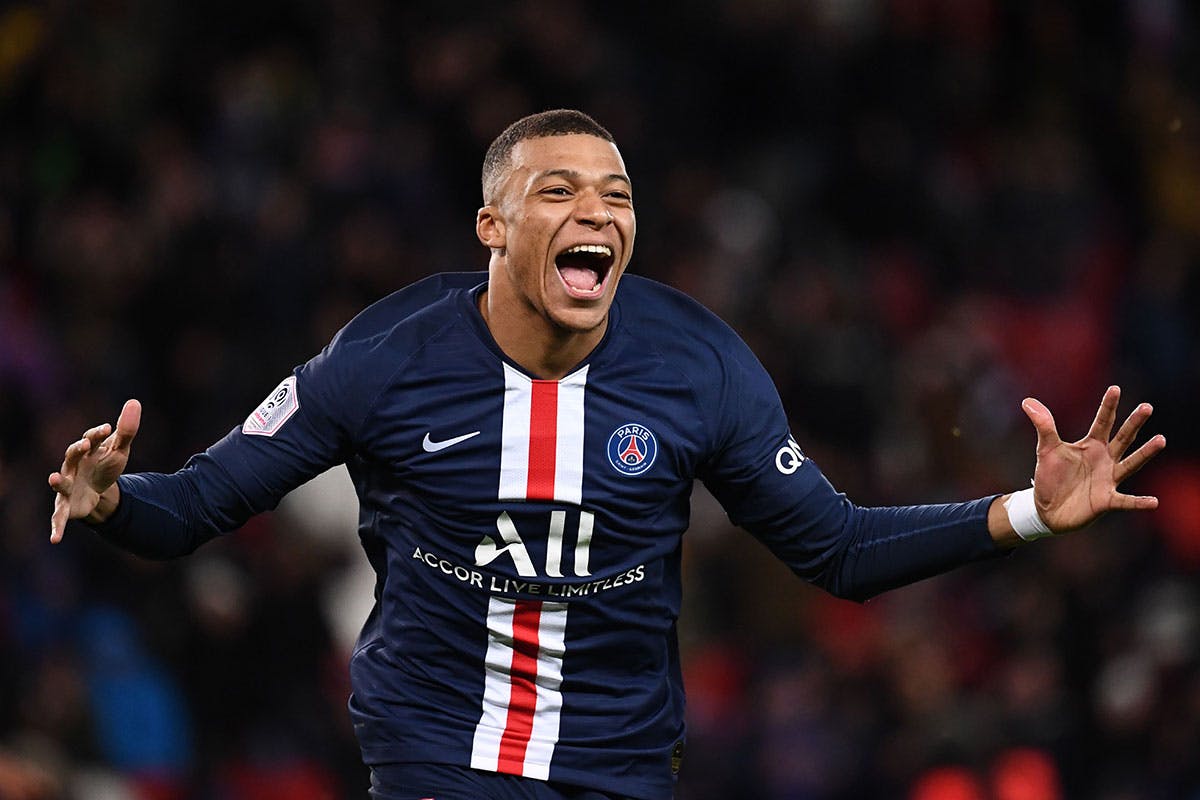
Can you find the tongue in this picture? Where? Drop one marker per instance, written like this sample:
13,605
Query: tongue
581,278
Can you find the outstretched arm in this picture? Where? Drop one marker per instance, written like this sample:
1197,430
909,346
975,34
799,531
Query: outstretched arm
86,482
1075,483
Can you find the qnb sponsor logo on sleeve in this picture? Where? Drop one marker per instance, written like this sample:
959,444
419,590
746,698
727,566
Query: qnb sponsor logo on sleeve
278,408
789,458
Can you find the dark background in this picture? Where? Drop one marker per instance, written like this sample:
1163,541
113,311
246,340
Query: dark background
916,211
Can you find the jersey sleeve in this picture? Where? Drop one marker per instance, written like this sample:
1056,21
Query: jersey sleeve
313,420
761,477
306,425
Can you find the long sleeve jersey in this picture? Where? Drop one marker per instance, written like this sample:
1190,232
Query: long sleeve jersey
526,533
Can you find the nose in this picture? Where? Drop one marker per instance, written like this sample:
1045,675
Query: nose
592,211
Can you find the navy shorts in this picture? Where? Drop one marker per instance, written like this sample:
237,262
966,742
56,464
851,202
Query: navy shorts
445,782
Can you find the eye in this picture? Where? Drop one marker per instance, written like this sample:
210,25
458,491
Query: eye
557,191
623,196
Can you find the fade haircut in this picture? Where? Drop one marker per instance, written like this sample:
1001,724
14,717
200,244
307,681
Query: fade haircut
558,122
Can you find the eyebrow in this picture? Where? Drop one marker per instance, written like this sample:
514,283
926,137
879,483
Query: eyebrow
575,175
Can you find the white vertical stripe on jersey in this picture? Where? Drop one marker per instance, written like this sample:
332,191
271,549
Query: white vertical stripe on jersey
497,688
552,632
514,446
568,466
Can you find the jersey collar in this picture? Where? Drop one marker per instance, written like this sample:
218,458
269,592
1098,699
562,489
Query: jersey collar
469,308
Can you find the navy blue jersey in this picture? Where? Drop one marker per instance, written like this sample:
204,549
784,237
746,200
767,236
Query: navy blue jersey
526,533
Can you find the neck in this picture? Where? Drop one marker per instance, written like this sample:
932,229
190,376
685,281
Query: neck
540,347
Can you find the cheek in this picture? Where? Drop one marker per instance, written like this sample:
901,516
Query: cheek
530,235
628,226
526,270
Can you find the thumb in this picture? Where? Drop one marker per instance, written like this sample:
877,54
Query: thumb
127,424
1043,423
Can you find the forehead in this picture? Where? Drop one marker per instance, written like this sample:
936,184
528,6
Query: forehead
575,152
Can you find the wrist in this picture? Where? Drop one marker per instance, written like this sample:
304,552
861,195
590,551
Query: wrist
999,527
106,506
1023,516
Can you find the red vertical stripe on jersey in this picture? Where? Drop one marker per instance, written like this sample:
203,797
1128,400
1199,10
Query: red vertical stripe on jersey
523,700
543,440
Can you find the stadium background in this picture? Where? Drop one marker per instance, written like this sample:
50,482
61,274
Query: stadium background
916,211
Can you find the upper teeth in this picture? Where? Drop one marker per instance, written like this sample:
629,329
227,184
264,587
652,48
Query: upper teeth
598,249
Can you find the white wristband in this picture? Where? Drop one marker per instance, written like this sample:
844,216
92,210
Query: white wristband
1023,516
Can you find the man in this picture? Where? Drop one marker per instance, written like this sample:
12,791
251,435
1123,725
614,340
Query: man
524,445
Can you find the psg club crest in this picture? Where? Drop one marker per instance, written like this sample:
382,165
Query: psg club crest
631,449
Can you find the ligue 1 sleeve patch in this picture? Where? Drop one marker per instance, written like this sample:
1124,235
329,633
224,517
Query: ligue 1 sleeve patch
278,408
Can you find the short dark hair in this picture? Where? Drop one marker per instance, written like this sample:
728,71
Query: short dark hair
557,122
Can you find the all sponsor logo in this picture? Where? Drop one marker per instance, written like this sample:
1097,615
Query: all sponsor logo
632,449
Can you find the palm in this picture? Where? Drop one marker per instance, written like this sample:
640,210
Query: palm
95,471
1076,482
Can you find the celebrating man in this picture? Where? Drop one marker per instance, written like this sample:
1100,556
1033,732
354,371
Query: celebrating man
523,444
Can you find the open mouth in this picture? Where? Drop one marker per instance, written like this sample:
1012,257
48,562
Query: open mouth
583,268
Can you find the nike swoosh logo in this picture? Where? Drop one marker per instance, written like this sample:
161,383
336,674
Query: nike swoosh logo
430,446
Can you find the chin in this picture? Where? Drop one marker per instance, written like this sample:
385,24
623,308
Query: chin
579,320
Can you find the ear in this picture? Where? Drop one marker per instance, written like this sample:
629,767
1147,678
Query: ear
490,228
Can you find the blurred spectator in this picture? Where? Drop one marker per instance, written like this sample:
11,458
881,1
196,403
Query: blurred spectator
20,780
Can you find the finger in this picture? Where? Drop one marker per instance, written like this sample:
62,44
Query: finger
1129,430
74,452
1133,502
1043,423
1106,415
127,425
1138,458
58,518
96,435
60,483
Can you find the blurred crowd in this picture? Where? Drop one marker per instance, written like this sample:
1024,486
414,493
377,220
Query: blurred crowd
916,211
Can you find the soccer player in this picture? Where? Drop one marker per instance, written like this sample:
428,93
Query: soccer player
523,444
